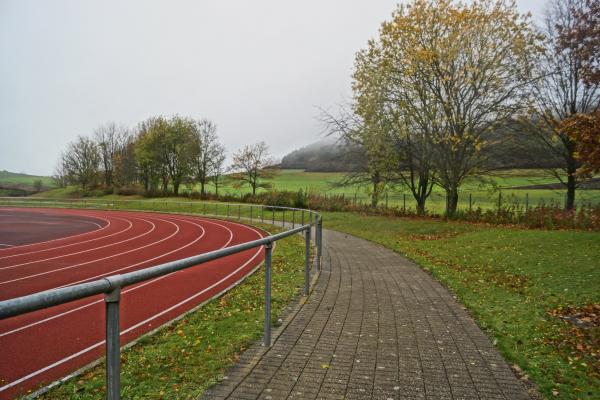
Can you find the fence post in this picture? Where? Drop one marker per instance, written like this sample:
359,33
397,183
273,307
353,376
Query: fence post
293,219
273,211
302,217
262,214
499,200
404,203
113,346
307,263
526,202
283,218
470,203
267,326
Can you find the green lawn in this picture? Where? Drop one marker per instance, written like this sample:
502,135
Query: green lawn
510,280
482,193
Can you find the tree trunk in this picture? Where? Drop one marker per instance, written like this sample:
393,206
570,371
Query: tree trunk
571,186
420,205
176,187
451,202
202,192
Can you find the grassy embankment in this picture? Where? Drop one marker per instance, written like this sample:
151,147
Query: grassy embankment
484,194
516,283
182,360
19,184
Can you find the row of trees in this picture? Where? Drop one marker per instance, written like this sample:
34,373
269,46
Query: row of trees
448,84
160,155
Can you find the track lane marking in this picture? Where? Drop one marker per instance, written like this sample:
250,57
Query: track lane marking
124,291
99,259
98,344
61,238
66,245
86,250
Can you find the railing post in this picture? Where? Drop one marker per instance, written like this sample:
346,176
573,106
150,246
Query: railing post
307,263
262,214
302,217
319,234
283,218
267,333
293,219
273,210
113,346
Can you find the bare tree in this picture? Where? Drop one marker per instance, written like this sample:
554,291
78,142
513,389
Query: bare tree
251,164
218,167
368,142
110,138
560,94
207,152
82,161
60,175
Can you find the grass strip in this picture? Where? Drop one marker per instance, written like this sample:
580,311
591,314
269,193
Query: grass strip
515,282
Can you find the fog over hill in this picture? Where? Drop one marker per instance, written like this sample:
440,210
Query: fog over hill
328,155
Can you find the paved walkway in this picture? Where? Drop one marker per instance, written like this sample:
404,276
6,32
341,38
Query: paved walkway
375,327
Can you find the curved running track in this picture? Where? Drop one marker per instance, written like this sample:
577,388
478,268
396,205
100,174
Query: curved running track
42,249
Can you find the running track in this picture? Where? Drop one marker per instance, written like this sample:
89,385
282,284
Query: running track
42,249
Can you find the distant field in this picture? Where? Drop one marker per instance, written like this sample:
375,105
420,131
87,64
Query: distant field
482,193
17,184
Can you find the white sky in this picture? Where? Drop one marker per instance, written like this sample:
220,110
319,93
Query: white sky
259,69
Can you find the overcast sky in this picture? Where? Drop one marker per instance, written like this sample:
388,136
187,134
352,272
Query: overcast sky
259,69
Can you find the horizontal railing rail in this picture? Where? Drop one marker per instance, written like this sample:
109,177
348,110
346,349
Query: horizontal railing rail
307,221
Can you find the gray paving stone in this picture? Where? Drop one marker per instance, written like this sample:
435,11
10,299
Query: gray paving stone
375,326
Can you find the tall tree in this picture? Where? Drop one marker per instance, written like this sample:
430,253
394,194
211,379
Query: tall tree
583,37
252,164
560,94
458,71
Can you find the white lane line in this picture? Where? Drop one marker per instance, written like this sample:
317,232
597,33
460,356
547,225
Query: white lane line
124,291
7,245
76,243
98,344
141,262
98,259
82,251
62,238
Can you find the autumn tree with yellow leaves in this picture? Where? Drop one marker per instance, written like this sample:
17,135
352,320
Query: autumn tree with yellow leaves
445,75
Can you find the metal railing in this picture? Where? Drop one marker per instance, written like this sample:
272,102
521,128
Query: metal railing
301,221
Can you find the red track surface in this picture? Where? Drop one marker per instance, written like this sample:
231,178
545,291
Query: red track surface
42,346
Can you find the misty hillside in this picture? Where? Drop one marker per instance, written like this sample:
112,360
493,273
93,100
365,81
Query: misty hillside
325,156
335,156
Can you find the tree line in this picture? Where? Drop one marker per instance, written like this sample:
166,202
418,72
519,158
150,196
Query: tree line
160,155
448,87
